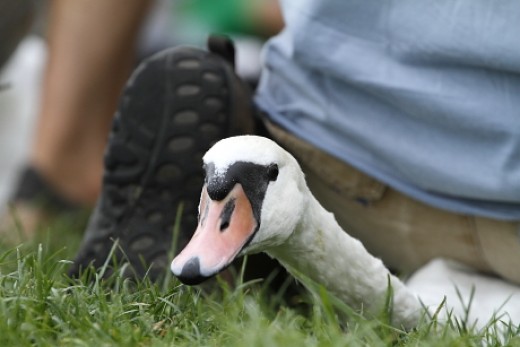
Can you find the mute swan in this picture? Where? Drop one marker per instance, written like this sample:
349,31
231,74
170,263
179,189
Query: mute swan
255,199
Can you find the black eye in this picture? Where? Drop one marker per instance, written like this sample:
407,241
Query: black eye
272,172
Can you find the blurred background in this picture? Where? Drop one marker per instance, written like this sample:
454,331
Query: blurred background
167,23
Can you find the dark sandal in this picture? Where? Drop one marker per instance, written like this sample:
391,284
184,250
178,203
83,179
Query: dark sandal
174,107
35,206
33,189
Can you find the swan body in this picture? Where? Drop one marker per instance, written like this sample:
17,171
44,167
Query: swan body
461,287
254,199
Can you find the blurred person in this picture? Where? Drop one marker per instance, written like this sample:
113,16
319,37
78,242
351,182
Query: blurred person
90,57
402,116
91,53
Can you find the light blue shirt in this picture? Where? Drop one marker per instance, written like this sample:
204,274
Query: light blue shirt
422,95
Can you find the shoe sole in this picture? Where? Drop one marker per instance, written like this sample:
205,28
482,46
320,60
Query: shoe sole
174,107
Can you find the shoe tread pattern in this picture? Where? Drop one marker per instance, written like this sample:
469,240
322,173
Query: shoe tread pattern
175,106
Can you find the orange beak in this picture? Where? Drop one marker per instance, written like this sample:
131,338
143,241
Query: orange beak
225,227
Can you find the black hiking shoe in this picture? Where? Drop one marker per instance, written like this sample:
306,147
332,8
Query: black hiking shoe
174,107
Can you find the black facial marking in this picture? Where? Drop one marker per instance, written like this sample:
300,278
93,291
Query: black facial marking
218,186
190,273
225,217
254,179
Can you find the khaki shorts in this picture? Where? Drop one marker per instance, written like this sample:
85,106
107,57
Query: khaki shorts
403,232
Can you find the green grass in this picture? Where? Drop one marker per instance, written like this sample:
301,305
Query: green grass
40,306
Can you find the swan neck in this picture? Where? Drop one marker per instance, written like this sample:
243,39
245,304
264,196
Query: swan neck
321,250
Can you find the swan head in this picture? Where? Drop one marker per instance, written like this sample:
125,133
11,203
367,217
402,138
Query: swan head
252,200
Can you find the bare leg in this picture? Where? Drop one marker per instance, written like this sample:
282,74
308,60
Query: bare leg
91,54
